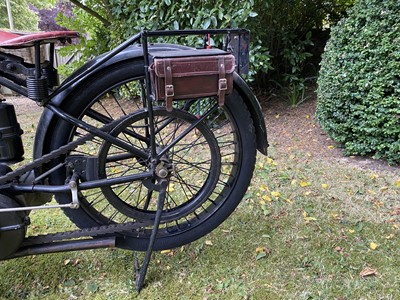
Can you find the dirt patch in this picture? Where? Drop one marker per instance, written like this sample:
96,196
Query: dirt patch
295,128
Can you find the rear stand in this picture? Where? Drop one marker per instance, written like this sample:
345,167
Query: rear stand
140,271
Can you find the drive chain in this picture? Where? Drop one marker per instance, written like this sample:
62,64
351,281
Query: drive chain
53,154
126,228
44,159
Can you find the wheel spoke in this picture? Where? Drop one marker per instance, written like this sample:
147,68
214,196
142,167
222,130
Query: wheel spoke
199,148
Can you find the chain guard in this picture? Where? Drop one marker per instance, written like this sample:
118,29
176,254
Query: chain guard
130,229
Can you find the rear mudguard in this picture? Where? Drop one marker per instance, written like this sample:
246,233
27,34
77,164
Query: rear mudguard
135,52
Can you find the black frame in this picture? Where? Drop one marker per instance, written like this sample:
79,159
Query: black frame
143,38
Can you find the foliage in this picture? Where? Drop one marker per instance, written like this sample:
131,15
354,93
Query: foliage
47,16
23,17
285,29
129,17
359,83
296,56
281,30
94,39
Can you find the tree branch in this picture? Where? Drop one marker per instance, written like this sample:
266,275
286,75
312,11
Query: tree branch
91,12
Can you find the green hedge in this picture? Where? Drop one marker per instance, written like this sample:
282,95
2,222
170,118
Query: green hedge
359,81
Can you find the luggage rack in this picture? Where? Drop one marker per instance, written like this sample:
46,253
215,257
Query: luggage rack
235,41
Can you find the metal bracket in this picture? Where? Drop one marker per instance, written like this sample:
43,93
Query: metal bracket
73,184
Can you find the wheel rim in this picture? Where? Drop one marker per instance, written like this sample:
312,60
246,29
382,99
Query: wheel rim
221,124
191,167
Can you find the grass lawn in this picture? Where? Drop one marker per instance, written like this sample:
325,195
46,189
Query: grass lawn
308,228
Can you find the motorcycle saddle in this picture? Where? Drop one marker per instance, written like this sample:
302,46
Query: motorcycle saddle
14,40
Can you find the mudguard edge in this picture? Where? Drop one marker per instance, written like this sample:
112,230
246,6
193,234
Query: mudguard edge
136,52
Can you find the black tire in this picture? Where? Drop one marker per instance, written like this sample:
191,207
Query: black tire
229,132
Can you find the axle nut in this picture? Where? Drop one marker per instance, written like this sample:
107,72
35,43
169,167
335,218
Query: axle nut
162,173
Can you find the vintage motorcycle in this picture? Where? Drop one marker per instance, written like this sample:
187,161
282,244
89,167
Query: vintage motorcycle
147,147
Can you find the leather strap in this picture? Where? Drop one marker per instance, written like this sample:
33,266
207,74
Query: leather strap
169,87
222,82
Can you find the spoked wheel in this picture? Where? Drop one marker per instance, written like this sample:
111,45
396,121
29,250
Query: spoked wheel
208,164
191,166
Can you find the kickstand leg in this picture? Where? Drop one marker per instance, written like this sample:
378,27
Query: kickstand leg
140,271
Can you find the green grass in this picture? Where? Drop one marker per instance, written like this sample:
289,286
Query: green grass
303,231
309,241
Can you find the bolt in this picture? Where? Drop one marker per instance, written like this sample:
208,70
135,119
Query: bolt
11,67
162,173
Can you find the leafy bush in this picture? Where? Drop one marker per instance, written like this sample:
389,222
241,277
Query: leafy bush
359,81
47,16
128,17
280,29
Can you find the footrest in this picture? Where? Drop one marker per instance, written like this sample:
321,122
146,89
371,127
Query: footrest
12,40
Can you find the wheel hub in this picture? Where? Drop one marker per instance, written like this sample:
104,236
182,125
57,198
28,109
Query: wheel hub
162,170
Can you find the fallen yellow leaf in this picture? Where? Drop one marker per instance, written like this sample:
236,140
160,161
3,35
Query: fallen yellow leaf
373,245
170,188
398,183
289,201
384,188
276,194
325,186
304,183
270,161
267,198
259,249
263,187
76,262
374,176
331,147
352,230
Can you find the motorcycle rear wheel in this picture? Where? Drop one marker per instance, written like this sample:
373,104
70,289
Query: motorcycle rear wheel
195,208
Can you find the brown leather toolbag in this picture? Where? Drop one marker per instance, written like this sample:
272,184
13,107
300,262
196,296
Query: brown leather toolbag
190,74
